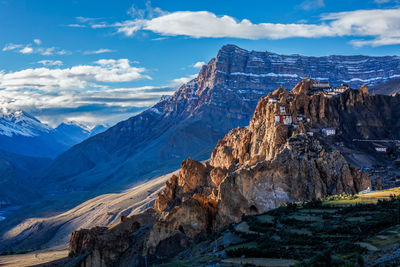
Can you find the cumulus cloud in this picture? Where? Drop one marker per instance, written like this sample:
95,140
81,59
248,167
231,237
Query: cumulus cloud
98,106
175,83
26,50
199,64
380,26
51,62
384,25
206,24
34,49
87,93
108,105
98,51
77,77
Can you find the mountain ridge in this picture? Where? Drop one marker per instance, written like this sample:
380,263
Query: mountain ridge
23,134
221,79
187,124
273,161
16,185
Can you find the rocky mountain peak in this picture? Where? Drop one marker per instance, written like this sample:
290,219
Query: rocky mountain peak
223,96
303,87
363,89
18,122
284,155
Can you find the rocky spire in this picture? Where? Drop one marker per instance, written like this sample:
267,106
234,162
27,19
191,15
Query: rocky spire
303,87
364,89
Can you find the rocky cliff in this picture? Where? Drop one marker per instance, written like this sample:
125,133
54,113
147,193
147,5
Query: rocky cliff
189,123
254,169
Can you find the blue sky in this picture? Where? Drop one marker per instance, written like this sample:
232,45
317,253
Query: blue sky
103,61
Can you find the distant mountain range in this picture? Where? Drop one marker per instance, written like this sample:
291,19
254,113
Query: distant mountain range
223,96
26,148
23,134
189,123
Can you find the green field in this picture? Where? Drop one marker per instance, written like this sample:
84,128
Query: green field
369,198
342,231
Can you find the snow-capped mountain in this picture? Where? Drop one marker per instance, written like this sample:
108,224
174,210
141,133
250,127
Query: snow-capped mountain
72,132
23,134
21,123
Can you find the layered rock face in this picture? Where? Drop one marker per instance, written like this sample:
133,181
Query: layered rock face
257,168
237,68
190,122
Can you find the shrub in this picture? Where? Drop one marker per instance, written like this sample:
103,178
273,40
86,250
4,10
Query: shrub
342,196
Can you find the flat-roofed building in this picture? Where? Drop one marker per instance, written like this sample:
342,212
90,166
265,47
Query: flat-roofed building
329,131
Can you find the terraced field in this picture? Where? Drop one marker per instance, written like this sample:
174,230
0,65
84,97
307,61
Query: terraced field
361,230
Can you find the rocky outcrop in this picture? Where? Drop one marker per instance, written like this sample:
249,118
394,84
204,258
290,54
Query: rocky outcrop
282,156
109,246
222,97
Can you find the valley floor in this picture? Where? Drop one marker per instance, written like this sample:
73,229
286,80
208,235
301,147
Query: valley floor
103,210
35,258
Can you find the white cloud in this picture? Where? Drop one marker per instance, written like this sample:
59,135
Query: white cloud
99,25
206,24
312,4
29,49
199,64
51,62
99,51
77,77
83,93
376,42
108,105
378,25
85,19
147,12
26,50
136,12
175,83
75,25
10,47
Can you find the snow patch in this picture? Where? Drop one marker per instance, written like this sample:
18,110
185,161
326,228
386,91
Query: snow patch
155,111
21,123
271,74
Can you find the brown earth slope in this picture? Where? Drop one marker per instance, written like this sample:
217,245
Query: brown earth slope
103,210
